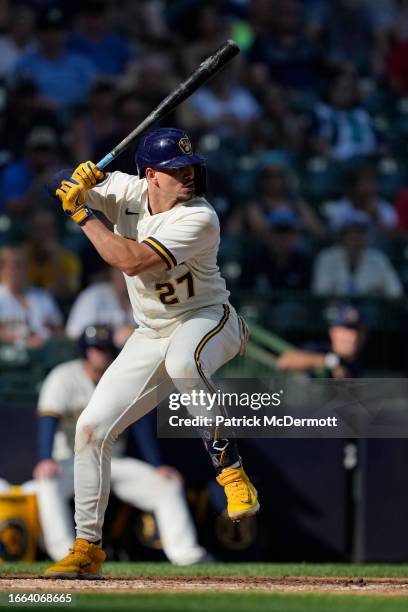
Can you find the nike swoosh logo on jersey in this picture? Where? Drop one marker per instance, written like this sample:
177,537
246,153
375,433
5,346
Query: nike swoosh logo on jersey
129,212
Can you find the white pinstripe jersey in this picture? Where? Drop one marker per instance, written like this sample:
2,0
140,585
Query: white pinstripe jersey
186,238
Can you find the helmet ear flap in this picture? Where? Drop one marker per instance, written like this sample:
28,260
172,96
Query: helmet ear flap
200,179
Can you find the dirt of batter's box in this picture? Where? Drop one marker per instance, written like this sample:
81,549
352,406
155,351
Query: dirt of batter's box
155,584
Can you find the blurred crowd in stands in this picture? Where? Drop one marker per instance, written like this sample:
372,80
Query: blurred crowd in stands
305,136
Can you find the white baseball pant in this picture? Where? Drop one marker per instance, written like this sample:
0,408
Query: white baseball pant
134,482
143,374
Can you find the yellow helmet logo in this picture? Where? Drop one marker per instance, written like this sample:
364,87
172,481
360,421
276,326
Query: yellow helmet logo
185,145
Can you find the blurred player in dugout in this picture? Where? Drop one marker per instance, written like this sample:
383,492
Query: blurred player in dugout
147,485
340,356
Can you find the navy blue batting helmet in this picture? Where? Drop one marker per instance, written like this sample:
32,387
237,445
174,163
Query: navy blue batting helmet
170,148
97,336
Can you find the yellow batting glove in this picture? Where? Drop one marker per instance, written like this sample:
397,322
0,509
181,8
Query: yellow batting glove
72,195
88,174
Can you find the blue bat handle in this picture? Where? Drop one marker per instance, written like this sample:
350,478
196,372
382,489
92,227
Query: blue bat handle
105,161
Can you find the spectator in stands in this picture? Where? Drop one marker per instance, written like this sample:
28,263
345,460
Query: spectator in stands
18,39
27,315
392,18
212,31
21,115
50,266
278,127
224,106
348,31
351,268
104,302
97,122
291,60
22,181
130,111
362,194
277,191
341,128
152,76
92,37
340,356
63,77
277,262
144,22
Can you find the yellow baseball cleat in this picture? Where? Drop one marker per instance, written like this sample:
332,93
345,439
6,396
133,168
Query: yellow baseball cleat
241,494
83,561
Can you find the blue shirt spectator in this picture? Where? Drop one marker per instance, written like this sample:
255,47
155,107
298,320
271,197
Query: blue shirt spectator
22,180
92,37
110,53
63,78
15,180
290,58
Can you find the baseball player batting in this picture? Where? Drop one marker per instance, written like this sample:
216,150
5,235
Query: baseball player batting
165,241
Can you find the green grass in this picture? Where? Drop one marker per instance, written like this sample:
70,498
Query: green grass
234,569
233,602
254,601
244,602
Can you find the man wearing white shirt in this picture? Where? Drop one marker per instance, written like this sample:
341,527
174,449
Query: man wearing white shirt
351,268
363,195
27,314
104,302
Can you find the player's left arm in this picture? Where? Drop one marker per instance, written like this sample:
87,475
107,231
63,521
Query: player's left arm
188,236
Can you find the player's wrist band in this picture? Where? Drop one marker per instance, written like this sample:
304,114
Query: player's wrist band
331,361
82,214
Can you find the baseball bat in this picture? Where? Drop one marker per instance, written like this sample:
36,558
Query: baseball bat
207,69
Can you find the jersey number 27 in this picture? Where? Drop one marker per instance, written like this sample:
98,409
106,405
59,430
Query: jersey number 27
167,291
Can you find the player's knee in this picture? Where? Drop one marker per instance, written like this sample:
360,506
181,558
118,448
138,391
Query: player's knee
181,367
84,434
87,433
91,433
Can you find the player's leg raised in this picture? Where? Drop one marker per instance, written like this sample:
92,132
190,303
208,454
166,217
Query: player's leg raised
201,345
